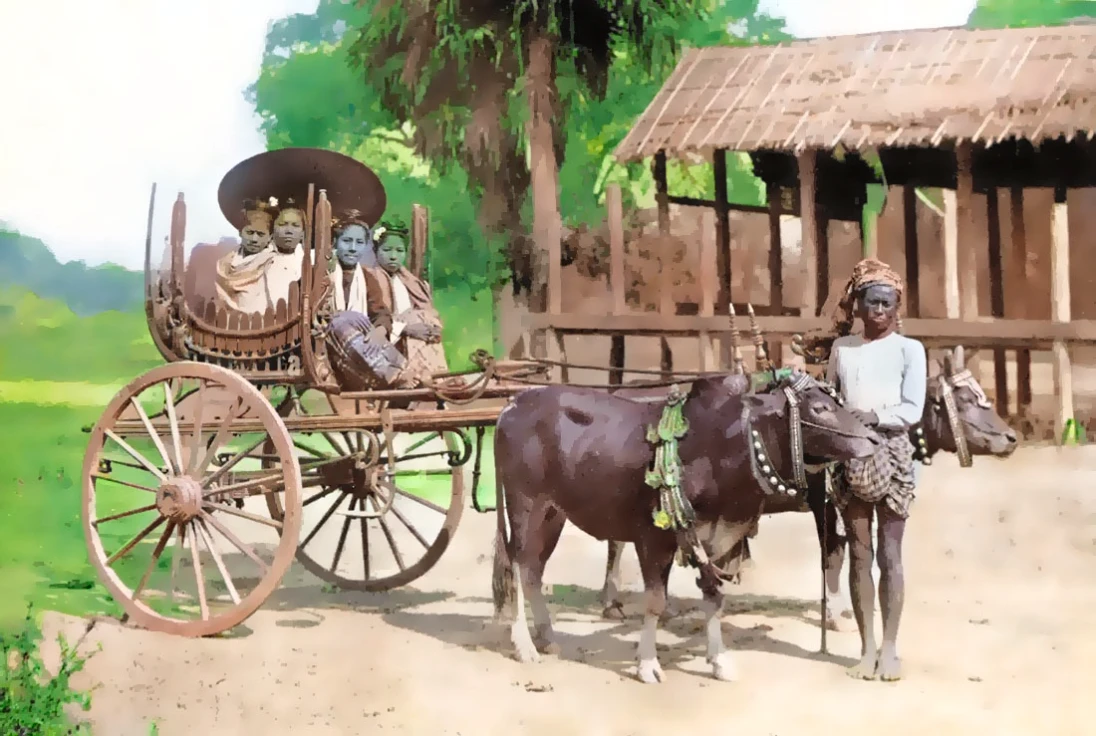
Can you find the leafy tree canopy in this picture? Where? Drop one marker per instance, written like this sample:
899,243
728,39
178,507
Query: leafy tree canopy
347,78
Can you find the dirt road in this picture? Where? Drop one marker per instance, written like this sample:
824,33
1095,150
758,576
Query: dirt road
997,636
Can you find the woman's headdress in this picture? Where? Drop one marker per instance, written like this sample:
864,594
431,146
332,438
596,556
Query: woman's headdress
346,218
390,226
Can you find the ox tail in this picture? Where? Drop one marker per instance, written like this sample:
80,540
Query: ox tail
502,577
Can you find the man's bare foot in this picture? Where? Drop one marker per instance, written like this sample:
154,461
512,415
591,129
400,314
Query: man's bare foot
865,669
890,666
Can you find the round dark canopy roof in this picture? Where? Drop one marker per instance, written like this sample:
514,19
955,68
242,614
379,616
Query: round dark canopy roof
286,174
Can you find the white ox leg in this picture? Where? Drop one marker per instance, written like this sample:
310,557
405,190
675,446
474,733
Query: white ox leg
650,671
719,539
719,657
519,629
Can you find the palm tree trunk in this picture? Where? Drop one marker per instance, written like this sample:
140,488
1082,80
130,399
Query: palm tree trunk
540,92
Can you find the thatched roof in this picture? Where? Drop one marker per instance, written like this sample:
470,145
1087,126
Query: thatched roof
903,88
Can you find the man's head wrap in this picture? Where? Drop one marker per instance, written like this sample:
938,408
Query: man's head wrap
868,272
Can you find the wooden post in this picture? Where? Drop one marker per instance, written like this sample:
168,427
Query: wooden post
665,301
617,287
776,268
822,259
708,277
723,241
420,239
547,227
951,255
1060,312
967,257
1020,268
997,297
913,264
808,214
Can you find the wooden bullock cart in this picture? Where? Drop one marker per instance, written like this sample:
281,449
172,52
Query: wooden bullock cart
242,449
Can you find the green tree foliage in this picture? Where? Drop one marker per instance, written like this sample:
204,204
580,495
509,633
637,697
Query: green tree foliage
1027,13
355,79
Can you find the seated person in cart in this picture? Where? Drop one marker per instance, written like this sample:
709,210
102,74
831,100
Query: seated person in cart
289,227
353,250
362,356
243,277
402,303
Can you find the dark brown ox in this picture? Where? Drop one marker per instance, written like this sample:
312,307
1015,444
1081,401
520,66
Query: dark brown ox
983,432
564,453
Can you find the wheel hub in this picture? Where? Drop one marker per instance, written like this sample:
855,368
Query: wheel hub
179,499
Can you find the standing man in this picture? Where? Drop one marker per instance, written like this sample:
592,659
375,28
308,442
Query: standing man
881,375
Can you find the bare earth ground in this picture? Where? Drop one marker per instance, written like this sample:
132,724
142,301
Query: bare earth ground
997,636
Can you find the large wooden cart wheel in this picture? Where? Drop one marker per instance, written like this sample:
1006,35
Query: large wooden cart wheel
385,507
156,475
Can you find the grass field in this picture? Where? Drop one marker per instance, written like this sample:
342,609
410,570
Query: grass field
57,372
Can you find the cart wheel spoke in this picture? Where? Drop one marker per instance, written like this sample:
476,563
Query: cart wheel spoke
388,535
136,456
126,514
317,496
410,527
153,435
119,481
234,540
207,539
169,406
342,536
327,515
232,511
135,541
160,545
199,578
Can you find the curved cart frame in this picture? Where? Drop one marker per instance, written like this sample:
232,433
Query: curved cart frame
258,390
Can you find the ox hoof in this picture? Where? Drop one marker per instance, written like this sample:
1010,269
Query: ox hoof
526,654
650,671
723,668
864,669
614,610
890,667
670,611
548,646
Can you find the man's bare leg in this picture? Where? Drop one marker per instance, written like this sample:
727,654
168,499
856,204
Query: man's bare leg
858,523
892,590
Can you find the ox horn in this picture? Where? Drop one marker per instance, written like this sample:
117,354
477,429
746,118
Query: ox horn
960,359
736,344
762,359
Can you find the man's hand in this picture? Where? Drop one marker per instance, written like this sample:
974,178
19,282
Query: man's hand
419,331
866,417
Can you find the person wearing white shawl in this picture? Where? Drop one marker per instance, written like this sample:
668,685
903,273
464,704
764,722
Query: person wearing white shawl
286,267
241,279
353,250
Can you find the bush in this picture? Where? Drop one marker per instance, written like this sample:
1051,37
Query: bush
31,701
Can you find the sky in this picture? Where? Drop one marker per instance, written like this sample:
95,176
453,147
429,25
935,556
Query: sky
102,98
